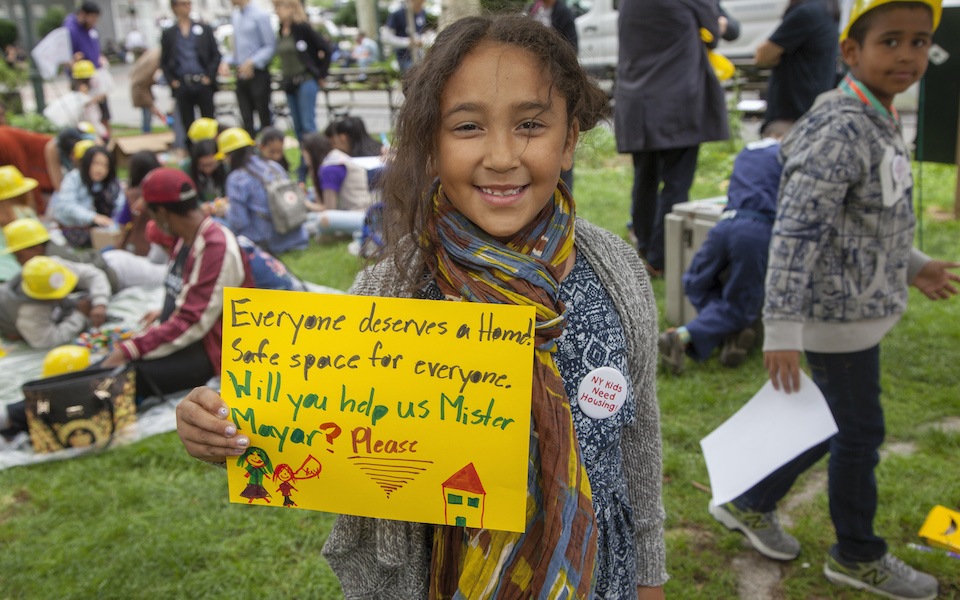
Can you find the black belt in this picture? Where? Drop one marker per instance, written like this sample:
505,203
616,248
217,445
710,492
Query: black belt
193,78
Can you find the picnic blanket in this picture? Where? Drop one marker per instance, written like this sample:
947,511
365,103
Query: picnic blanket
22,364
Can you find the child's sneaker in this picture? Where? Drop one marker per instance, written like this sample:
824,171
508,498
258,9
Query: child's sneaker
763,530
736,346
888,576
672,351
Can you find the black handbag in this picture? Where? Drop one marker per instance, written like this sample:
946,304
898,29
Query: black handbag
81,409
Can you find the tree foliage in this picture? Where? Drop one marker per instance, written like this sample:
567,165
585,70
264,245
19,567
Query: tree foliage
8,33
50,21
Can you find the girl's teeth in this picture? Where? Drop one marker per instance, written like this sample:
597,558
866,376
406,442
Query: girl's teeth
499,193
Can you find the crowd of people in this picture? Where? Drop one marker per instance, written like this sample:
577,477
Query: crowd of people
816,239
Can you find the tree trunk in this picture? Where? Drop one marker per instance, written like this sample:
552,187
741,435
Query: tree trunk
367,18
451,10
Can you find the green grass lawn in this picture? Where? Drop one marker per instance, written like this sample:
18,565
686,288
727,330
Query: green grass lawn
148,521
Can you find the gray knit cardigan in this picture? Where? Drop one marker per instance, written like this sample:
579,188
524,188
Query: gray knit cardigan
382,559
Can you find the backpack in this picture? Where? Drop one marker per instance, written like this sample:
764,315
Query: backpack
269,273
287,202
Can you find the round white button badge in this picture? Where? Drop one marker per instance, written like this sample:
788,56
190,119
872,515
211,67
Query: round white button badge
301,45
197,30
602,393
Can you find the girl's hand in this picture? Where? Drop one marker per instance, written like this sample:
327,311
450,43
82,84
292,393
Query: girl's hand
204,429
103,221
936,281
784,369
98,315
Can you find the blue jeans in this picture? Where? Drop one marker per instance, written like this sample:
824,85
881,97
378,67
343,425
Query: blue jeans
725,282
303,111
851,384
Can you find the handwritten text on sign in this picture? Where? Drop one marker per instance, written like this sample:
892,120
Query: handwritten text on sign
415,410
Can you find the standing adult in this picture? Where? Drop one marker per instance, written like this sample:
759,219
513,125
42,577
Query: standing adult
189,59
142,77
668,102
558,16
253,47
85,44
396,32
803,54
304,63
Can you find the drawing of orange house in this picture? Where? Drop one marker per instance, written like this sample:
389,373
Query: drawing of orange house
464,498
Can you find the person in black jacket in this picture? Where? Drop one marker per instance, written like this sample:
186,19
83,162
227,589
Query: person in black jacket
189,58
304,63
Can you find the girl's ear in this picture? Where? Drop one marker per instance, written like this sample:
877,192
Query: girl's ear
570,145
432,169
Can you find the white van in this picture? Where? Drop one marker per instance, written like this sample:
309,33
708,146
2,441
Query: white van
597,31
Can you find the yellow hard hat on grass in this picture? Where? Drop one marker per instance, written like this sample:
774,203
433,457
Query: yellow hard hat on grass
861,7
46,279
232,139
13,183
65,359
24,233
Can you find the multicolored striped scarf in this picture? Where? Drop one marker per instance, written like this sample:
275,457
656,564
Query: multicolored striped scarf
556,554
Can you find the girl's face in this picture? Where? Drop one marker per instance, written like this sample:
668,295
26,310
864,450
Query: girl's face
285,475
207,164
272,151
99,167
503,139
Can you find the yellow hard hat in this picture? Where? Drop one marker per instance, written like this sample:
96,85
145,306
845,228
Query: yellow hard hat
65,359
861,7
232,139
80,148
13,183
83,69
46,279
87,127
204,128
24,233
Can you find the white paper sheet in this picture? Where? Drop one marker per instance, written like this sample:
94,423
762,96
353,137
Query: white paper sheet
769,431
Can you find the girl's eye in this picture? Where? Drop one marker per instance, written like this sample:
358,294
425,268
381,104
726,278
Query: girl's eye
466,127
530,125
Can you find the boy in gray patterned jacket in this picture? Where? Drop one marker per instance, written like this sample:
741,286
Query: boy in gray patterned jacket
841,260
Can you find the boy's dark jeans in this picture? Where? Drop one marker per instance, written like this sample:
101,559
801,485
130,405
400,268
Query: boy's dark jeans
850,382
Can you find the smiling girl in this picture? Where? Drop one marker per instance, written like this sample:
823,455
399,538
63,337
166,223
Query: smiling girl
478,214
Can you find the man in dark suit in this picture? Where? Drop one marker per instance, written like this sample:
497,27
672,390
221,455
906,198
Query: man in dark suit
668,102
189,58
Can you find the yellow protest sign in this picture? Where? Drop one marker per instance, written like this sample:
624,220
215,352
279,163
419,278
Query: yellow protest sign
416,410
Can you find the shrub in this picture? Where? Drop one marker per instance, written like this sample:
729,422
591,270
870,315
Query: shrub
8,33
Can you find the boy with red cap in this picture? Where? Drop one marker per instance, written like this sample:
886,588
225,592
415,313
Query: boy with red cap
841,260
180,349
